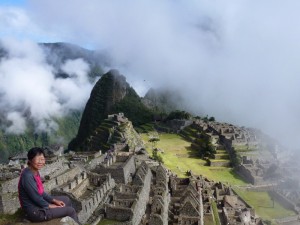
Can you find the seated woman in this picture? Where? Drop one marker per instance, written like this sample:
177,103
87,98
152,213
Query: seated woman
38,205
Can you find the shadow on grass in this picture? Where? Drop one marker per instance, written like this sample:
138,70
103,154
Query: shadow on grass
266,207
236,176
192,153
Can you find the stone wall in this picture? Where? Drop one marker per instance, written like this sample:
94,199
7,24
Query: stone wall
156,219
80,184
121,173
118,213
140,207
86,202
225,163
9,200
62,178
9,186
122,195
9,173
243,171
133,215
56,166
289,219
246,173
9,203
98,179
129,169
161,198
96,161
283,200
91,202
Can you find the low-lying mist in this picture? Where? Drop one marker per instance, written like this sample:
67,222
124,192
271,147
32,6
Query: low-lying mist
30,89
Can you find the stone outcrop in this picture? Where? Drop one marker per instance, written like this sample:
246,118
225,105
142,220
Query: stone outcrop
60,221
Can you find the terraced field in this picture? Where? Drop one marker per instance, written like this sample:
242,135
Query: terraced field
180,157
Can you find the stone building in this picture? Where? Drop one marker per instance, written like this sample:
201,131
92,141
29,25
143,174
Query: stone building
131,188
235,211
87,191
121,166
160,197
186,201
129,201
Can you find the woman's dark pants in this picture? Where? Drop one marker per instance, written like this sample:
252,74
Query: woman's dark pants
39,215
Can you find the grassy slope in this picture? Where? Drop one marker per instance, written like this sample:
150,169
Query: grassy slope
179,157
263,205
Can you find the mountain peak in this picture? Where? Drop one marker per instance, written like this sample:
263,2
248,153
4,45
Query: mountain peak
111,94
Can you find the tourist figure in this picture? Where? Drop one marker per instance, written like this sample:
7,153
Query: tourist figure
37,205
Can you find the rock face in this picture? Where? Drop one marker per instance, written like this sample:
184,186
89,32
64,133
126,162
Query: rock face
111,94
59,221
109,90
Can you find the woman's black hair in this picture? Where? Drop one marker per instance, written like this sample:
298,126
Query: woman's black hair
34,152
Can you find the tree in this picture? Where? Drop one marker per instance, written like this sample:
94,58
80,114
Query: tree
211,118
206,147
181,115
153,138
156,155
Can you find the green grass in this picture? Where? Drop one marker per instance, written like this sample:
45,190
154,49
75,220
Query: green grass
107,222
215,212
219,160
6,219
180,157
263,205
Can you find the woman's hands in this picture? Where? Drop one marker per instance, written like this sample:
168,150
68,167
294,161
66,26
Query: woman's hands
57,203
51,206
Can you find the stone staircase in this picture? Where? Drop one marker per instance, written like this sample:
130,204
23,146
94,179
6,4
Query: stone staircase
221,158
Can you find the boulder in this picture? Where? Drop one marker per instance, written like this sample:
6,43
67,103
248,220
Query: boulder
59,221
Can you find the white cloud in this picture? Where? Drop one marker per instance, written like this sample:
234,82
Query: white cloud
76,90
18,123
30,89
236,60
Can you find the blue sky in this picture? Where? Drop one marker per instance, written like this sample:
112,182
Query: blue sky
13,2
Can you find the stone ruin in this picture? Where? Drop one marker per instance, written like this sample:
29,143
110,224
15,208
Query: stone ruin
124,188
229,138
129,201
234,210
120,166
257,171
236,135
119,118
129,188
186,201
